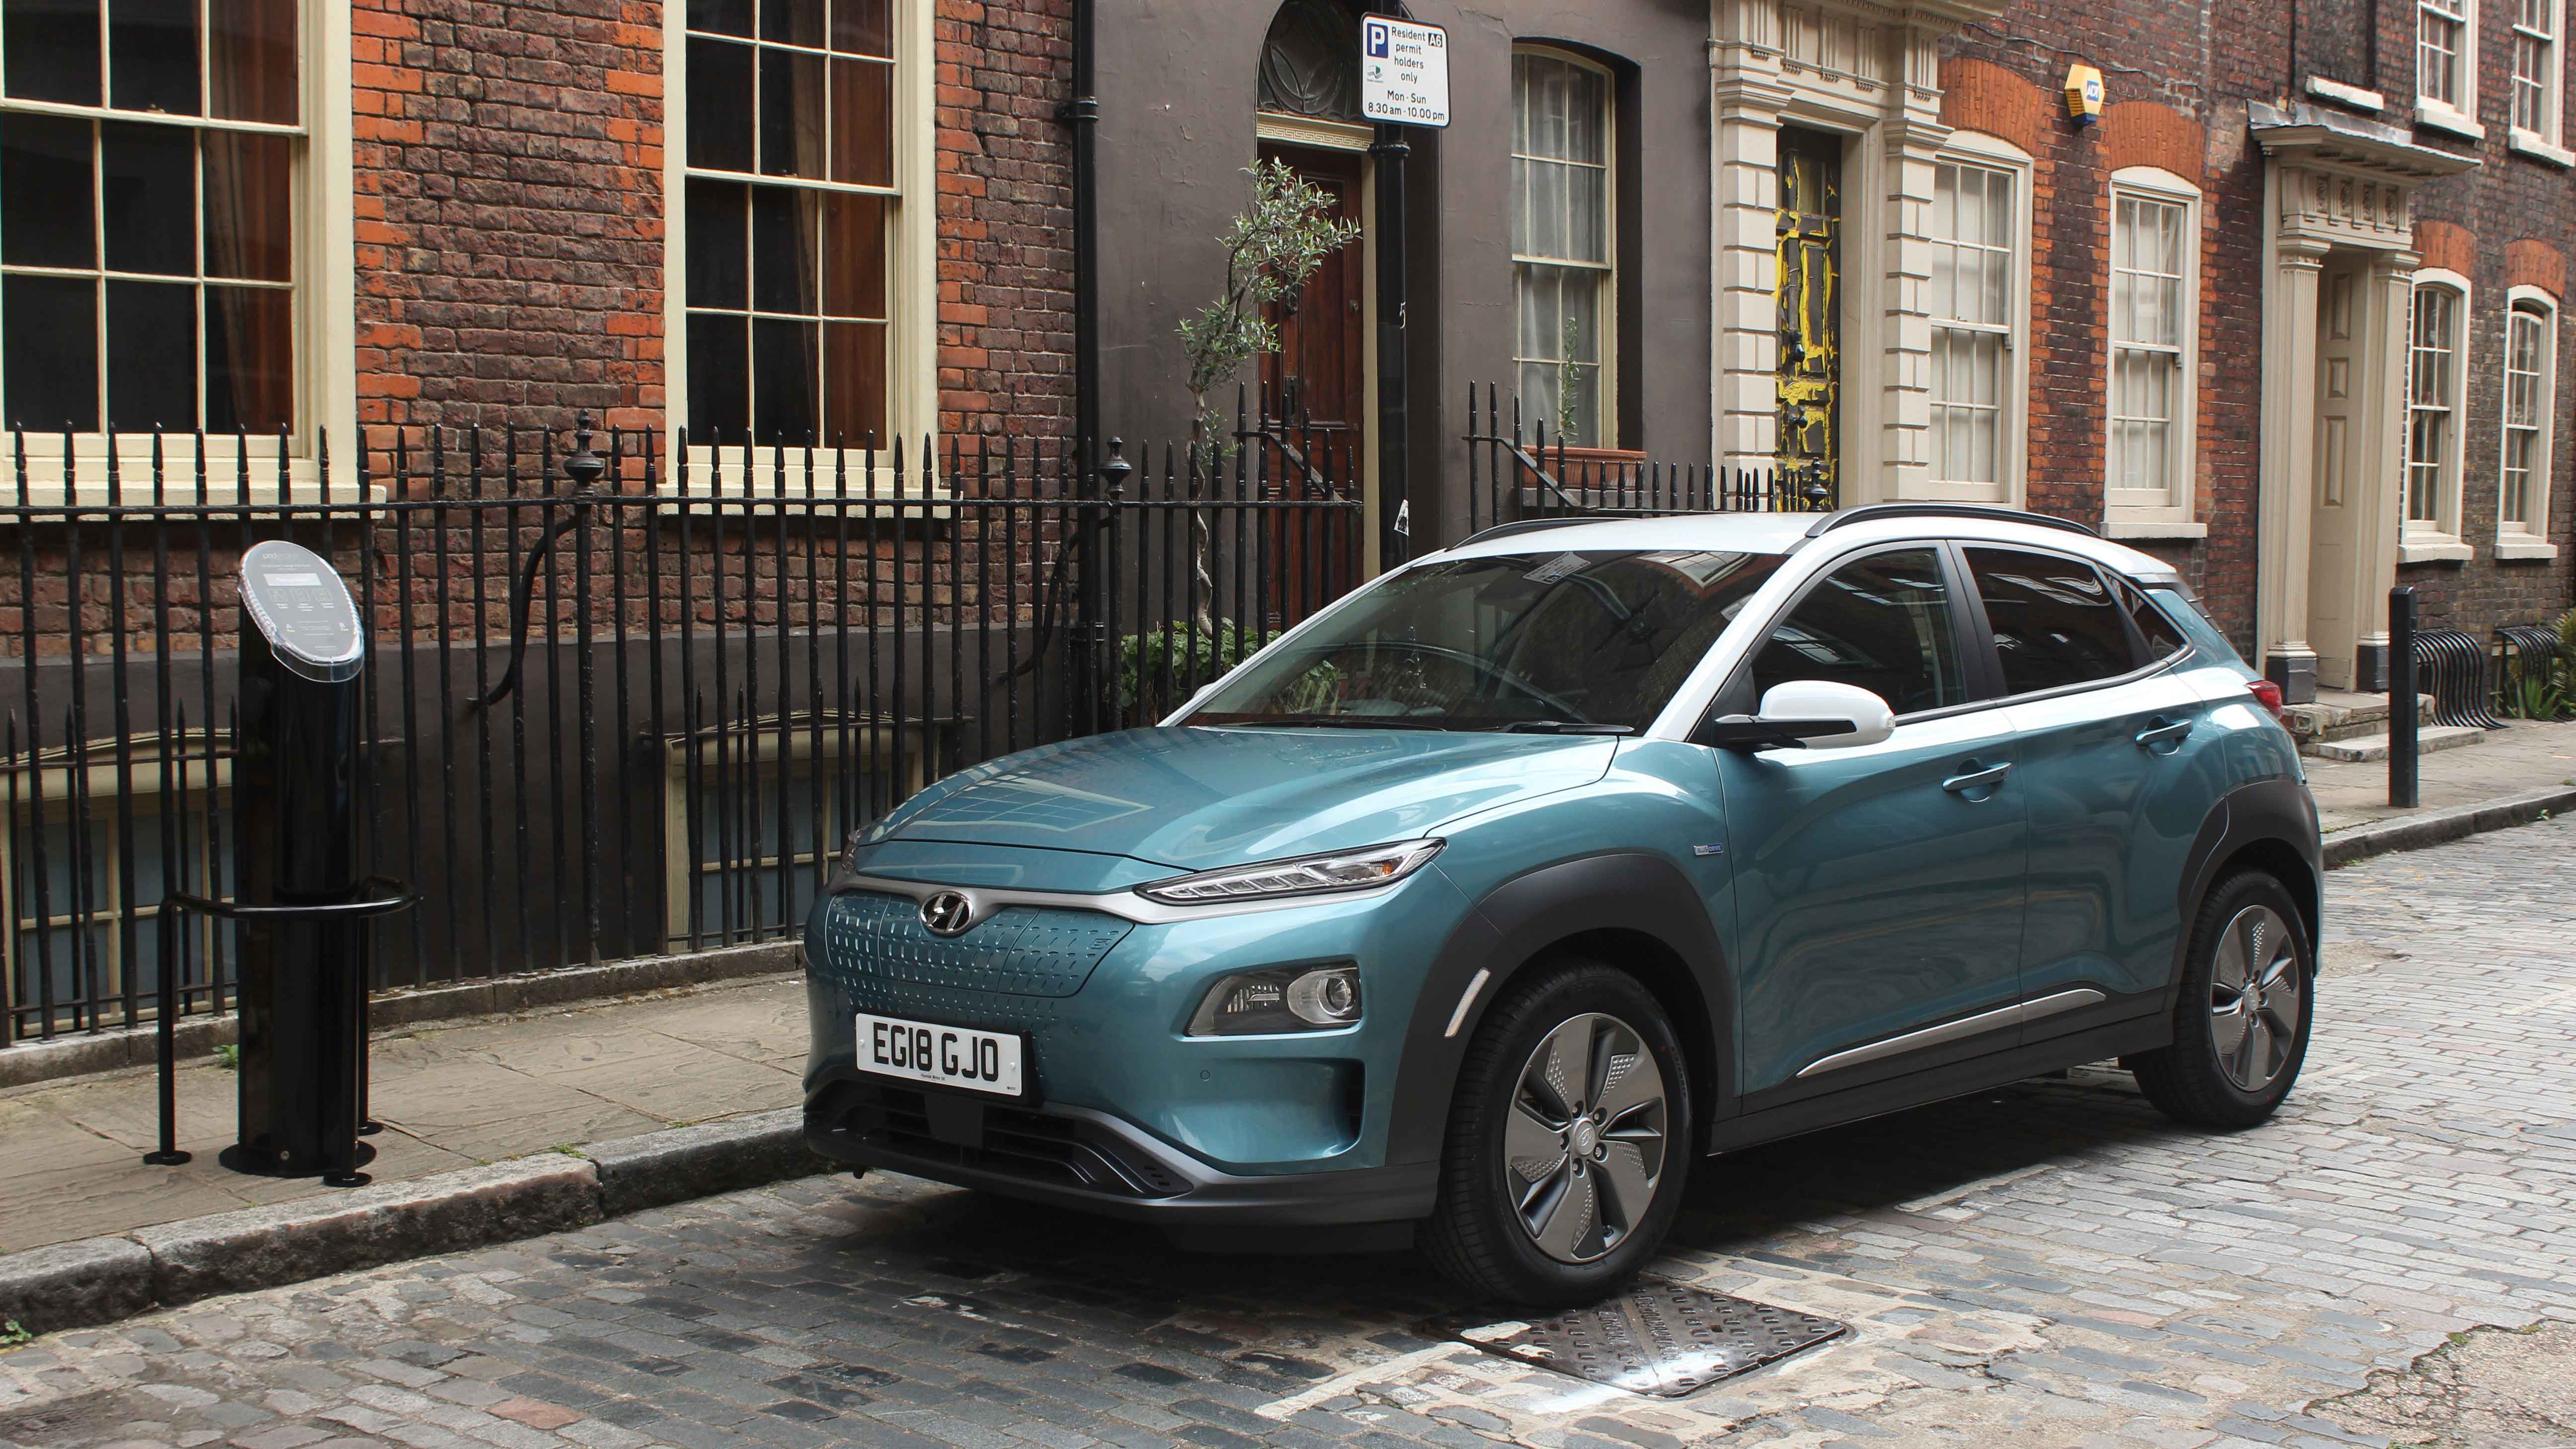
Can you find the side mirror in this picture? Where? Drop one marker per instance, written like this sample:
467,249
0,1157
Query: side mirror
1813,714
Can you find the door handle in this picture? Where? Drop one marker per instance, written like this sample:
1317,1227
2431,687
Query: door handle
2162,730
1974,779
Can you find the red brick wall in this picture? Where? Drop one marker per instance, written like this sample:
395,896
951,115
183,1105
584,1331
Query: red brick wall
2498,225
2148,133
2446,247
510,213
1005,218
2176,78
2529,263
1979,95
509,210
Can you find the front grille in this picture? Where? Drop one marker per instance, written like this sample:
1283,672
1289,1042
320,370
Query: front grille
1021,951
1029,1146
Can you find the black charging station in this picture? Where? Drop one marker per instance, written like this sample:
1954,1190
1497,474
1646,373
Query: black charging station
303,907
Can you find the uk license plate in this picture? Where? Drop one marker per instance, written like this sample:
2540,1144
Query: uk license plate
943,1056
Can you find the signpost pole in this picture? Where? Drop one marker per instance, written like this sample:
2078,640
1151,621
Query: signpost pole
1394,425
1404,83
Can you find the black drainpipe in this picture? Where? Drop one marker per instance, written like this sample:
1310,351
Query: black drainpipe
1082,113
1090,633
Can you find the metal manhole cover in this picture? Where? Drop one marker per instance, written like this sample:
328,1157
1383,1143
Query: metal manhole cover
1659,1338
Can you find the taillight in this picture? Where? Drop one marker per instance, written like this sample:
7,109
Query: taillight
2268,695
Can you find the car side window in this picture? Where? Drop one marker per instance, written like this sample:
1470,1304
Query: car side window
2056,622
2161,638
1880,622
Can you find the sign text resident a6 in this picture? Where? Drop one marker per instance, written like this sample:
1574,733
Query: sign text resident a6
1404,71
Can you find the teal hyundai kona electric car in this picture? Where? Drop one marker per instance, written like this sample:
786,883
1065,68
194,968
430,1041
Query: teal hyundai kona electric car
1491,901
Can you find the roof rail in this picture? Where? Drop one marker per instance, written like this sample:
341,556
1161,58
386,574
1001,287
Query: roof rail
1526,525
1871,511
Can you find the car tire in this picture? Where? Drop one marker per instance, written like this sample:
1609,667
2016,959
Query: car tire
2228,1067
1537,1186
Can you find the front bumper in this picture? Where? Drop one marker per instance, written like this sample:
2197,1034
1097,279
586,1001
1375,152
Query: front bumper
1076,1157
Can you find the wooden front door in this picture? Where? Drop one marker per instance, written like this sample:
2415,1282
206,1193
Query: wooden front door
1315,391
1811,366
1316,378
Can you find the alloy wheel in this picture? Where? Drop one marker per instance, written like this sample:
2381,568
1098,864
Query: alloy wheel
2255,986
1585,1144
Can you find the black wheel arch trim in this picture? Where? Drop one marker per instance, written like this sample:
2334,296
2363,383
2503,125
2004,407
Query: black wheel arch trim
1513,926
2276,812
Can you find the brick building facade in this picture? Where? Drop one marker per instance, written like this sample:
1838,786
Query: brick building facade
486,213
2196,91
500,216
2286,311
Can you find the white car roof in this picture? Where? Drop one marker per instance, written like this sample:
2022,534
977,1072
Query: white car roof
1788,532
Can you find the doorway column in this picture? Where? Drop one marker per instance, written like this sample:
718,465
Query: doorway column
1745,267
2288,467
2334,182
2383,463
1902,449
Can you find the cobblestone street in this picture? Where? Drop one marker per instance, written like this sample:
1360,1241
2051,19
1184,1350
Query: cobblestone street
2047,1265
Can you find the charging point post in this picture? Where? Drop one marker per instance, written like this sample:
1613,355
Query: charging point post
301,922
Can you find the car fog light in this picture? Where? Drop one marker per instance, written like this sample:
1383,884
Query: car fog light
1280,999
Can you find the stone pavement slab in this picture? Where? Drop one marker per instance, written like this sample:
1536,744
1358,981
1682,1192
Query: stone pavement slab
450,1096
2507,762
2050,1265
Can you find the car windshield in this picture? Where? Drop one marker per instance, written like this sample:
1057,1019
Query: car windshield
1547,640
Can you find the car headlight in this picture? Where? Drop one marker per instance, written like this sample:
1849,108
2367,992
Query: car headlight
1304,875
1280,999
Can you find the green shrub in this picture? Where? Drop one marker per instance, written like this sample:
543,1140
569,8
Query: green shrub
1201,653
2534,689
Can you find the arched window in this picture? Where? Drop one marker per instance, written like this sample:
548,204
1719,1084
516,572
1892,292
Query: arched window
2433,382
1310,62
2530,390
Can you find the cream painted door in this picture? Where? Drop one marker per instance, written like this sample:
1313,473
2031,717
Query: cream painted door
2342,413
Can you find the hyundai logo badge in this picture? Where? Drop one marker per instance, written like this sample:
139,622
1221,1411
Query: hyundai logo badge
948,913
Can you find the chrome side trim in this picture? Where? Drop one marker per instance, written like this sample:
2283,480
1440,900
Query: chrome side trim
983,901
1966,1026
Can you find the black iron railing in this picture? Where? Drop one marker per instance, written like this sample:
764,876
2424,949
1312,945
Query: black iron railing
626,693
1517,471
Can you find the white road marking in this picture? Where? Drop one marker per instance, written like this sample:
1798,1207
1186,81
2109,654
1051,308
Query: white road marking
1342,1383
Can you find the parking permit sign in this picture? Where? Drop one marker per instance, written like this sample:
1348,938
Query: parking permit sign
1404,71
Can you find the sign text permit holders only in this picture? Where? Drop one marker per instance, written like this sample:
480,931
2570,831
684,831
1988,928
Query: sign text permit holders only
1404,71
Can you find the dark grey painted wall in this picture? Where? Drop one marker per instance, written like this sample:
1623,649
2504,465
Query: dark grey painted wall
1177,98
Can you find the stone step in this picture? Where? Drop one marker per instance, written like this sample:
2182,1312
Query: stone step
2375,747
2365,728
2337,715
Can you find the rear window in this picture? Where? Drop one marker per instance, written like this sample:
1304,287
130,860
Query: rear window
2157,633
2195,623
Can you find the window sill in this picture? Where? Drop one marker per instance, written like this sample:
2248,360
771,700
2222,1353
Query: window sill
2433,548
2538,148
1590,455
2154,528
704,486
227,484
2347,95
2439,117
2524,549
